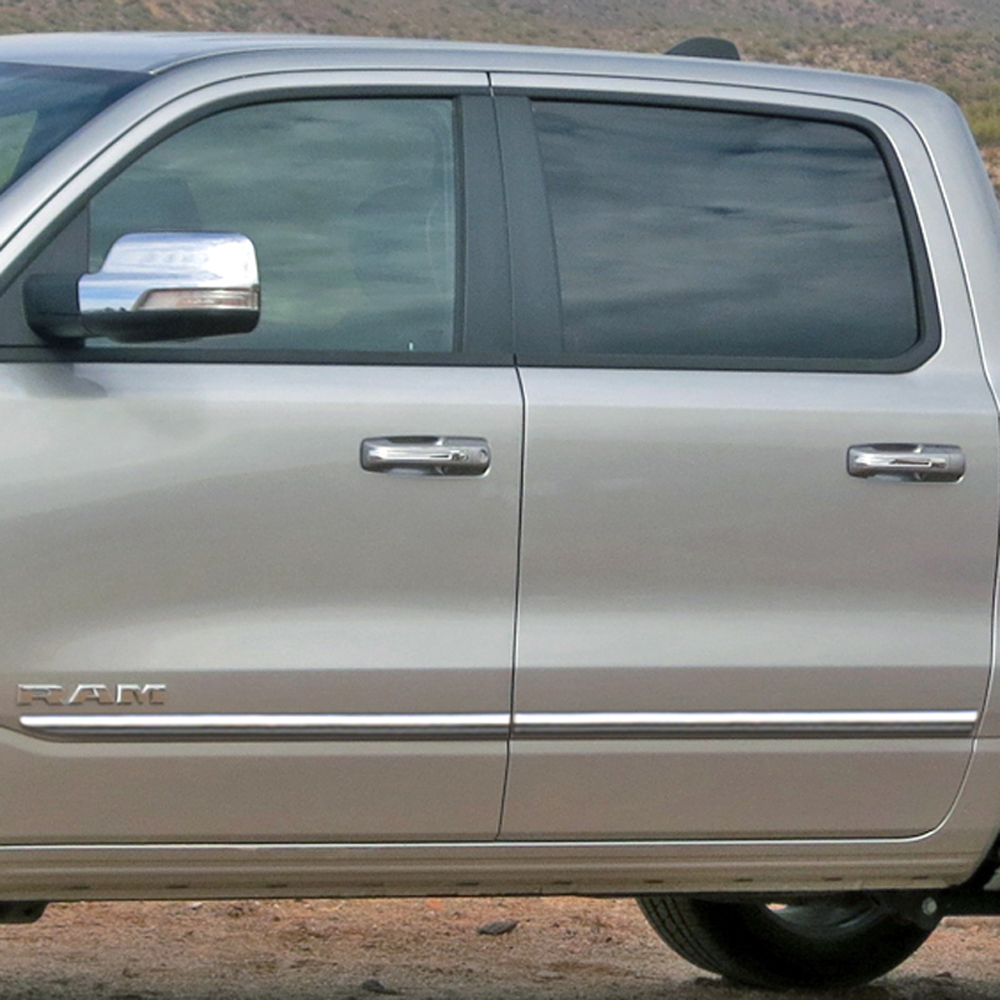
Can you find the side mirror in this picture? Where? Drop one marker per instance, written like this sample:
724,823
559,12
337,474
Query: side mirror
153,286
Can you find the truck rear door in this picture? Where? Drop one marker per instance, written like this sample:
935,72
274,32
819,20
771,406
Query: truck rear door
760,493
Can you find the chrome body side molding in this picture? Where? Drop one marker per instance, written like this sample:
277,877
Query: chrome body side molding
496,726
490,726
742,725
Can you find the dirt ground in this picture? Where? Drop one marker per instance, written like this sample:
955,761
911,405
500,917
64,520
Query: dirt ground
417,949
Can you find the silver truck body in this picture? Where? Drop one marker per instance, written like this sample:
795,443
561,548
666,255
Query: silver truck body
666,644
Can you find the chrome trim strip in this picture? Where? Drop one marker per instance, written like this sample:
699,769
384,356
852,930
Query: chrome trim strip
496,726
241,849
742,725
145,726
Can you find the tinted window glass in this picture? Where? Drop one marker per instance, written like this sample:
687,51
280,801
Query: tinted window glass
349,203
40,106
692,233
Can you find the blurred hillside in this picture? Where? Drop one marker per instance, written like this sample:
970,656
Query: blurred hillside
953,44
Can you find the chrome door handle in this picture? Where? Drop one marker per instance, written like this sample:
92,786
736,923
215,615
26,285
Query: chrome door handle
442,456
922,463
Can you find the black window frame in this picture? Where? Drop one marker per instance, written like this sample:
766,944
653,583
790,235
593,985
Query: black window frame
483,313
535,287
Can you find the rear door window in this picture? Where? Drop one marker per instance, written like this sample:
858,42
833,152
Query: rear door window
724,238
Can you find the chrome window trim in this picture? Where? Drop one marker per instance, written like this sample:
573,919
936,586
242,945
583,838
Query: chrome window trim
497,726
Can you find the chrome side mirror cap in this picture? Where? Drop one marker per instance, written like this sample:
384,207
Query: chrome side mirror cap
153,286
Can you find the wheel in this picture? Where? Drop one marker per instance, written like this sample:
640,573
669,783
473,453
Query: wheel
824,943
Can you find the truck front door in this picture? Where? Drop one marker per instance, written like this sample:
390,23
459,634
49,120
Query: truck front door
224,619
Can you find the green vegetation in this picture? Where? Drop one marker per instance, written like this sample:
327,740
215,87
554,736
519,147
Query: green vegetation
980,100
984,117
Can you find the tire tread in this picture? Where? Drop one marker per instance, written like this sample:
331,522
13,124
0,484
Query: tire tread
671,922
744,943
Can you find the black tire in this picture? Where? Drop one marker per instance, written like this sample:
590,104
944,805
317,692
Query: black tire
823,943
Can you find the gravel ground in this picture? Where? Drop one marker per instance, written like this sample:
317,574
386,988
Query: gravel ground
422,949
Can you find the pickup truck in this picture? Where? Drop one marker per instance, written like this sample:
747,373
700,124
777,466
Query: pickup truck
459,469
